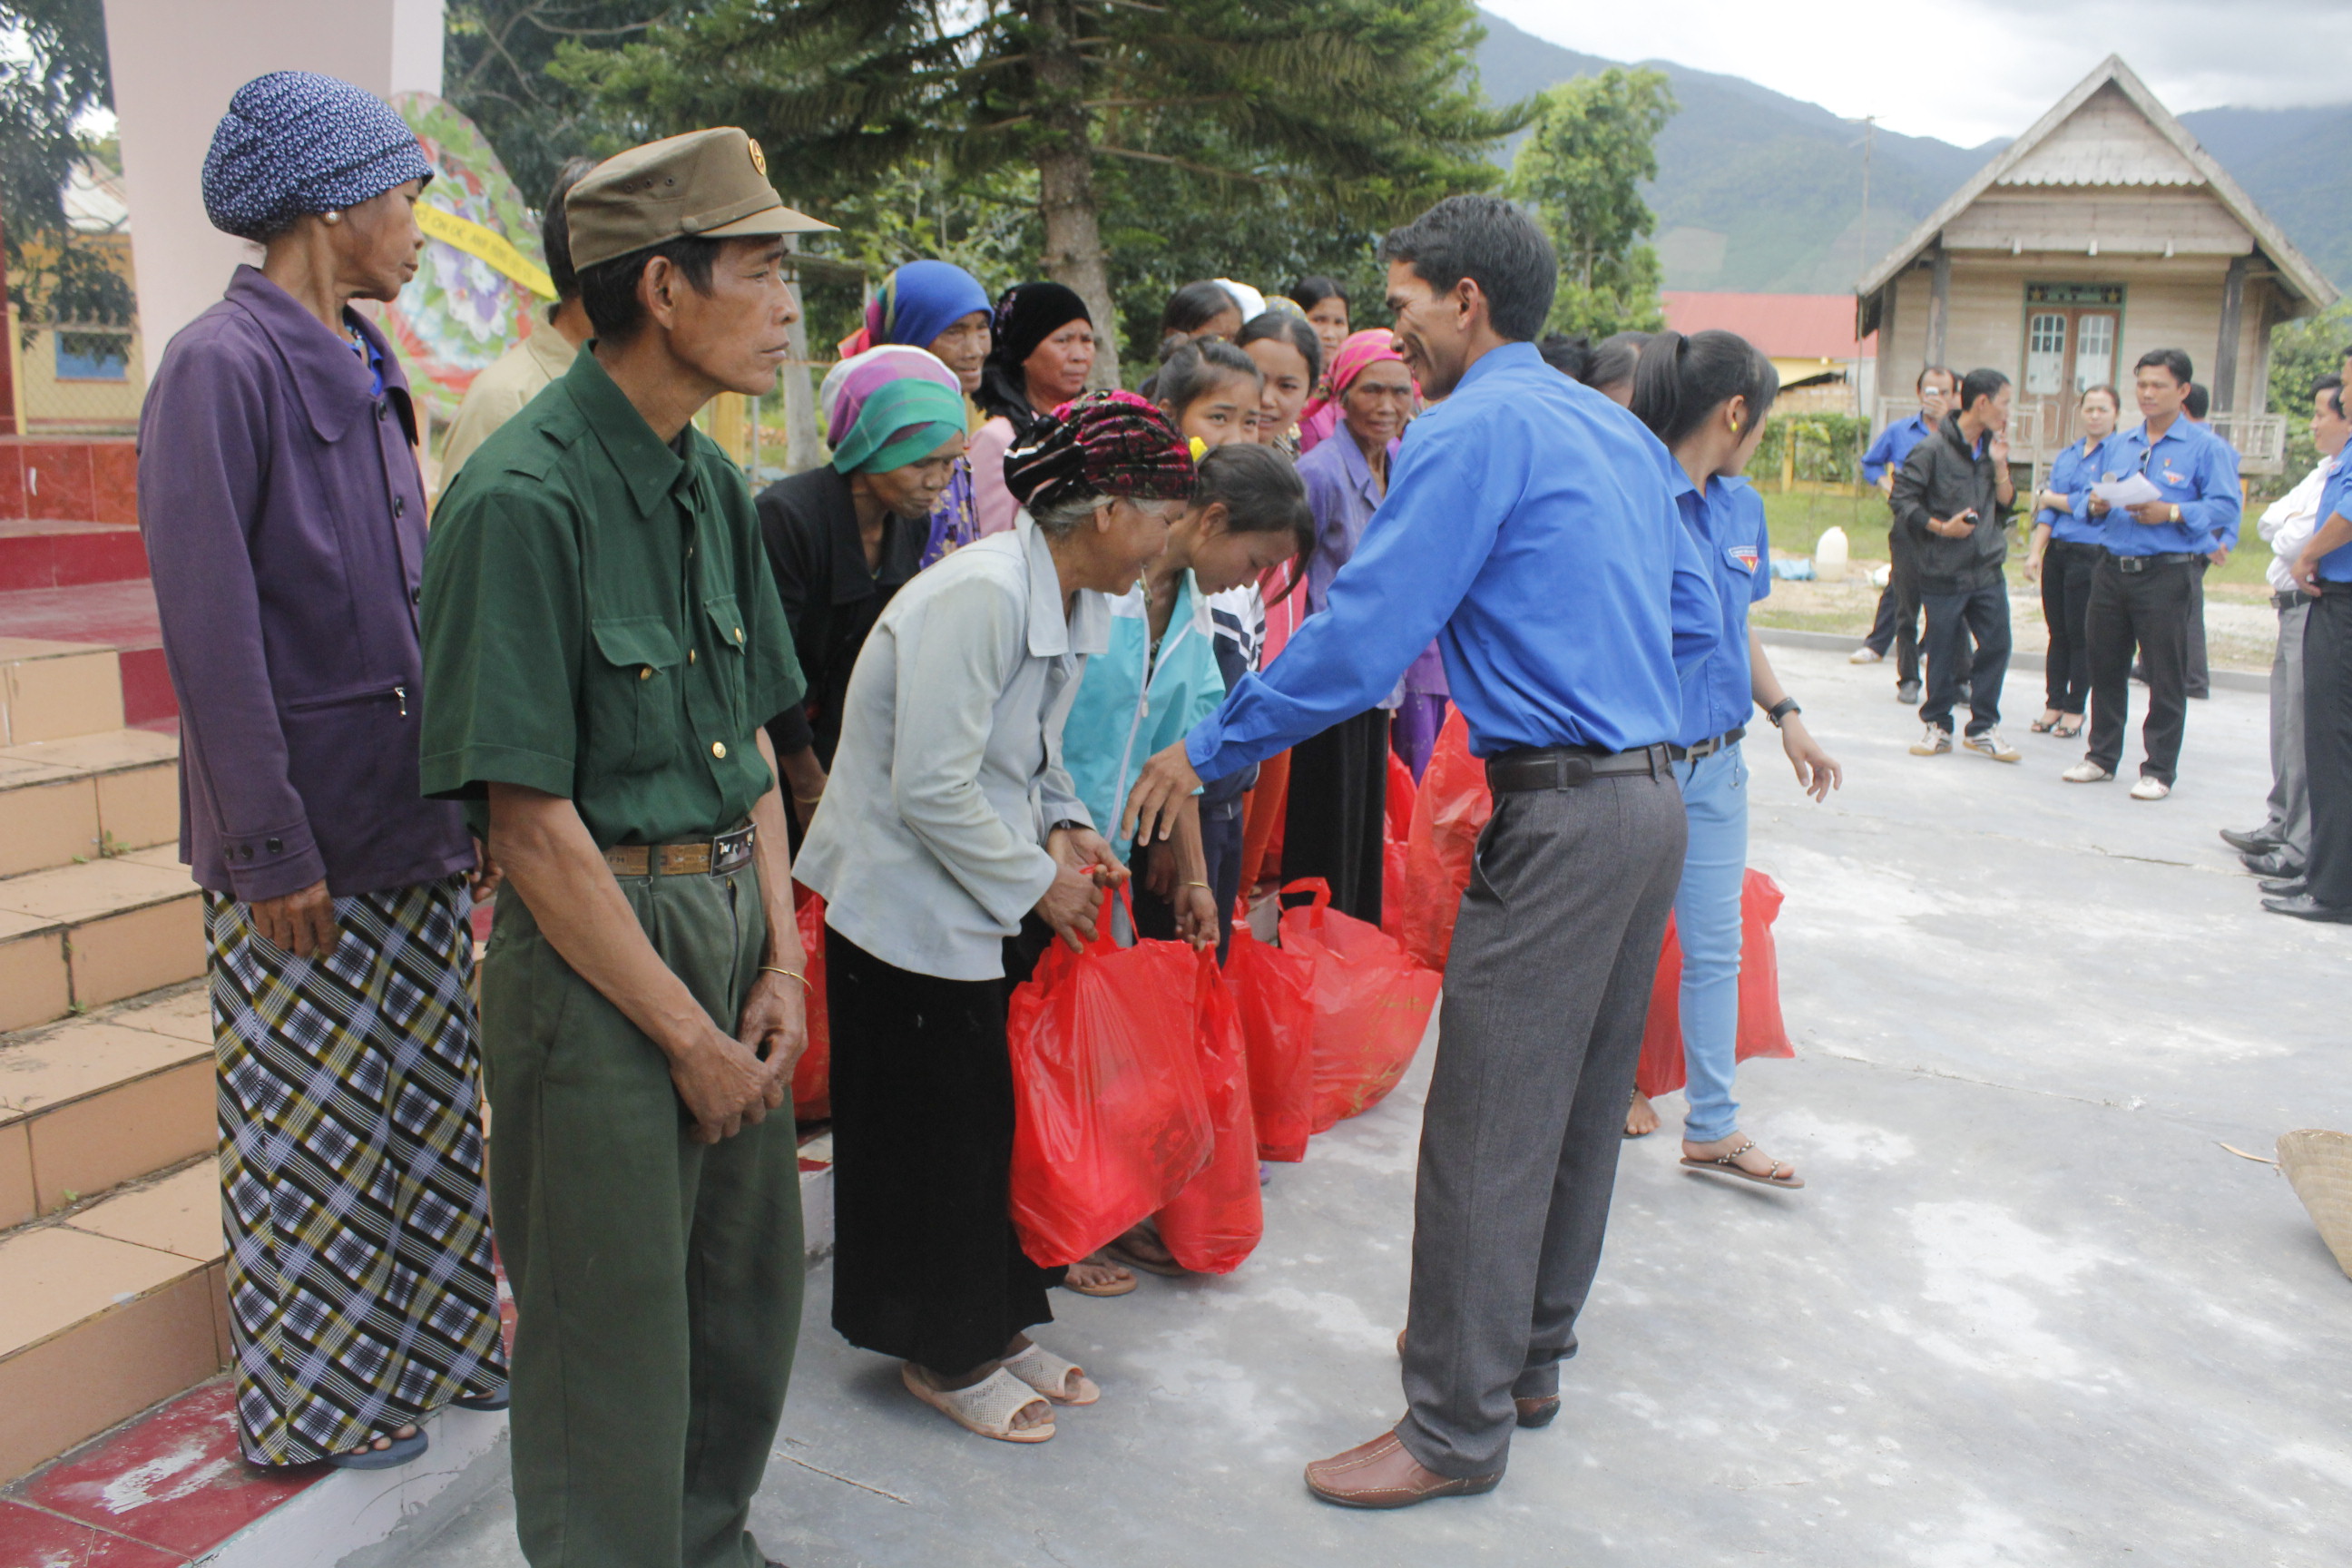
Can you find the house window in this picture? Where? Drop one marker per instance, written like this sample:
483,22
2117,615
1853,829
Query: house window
92,356
2046,353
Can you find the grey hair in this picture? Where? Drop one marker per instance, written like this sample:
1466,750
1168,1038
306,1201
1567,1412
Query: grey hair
1062,519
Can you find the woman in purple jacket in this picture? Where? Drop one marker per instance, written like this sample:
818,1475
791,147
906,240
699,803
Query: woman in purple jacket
284,515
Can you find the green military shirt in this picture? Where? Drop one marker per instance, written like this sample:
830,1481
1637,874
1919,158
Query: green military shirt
600,622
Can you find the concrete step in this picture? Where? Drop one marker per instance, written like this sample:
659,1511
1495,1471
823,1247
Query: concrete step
77,799
106,1310
45,553
117,620
87,1106
84,935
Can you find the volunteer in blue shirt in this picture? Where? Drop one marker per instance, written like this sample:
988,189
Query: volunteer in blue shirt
1530,527
2324,569
1707,397
1897,623
2141,593
2063,556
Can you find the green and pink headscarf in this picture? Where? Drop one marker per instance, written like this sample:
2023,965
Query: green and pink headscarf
888,408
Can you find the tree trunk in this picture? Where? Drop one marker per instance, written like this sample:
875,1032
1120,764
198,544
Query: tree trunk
1065,179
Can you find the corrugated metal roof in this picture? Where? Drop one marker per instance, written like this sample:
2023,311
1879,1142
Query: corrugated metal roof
1785,326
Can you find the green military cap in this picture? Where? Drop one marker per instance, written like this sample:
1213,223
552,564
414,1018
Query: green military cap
707,185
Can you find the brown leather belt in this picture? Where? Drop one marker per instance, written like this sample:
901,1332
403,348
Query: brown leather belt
1567,767
728,853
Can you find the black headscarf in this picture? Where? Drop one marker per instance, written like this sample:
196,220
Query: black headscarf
1026,316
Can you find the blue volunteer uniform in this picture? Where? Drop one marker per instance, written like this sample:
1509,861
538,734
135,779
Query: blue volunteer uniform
1894,446
2069,563
2072,474
2145,592
2327,720
1727,524
1532,528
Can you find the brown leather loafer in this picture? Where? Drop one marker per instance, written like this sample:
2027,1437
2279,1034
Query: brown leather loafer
1381,1474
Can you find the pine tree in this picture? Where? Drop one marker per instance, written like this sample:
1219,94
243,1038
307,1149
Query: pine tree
1338,112
1594,142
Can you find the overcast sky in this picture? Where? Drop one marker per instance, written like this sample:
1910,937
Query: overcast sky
1968,70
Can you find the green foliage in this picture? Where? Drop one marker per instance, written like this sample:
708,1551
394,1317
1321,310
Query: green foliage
494,60
1214,136
2300,352
56,75
1582,169
1828,447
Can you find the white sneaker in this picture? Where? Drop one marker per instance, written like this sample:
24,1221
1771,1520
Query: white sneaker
1988,743
1865,654
1935,743
2150,787
2086,773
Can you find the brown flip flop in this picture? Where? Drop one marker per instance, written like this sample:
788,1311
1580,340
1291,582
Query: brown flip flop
1123,1288
1727,1165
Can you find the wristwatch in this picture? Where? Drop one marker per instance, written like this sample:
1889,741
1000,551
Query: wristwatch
1781,710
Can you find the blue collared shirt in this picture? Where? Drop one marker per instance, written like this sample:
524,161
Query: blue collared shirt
1531,528
1727,524
2191,467
2335,566
2072,474
1893,447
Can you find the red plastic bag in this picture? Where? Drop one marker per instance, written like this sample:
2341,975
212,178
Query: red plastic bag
1396,822
1214,1224
1111,1120
812,1074
1396,833
1448,815
1273,993
1762,1031
1372,1005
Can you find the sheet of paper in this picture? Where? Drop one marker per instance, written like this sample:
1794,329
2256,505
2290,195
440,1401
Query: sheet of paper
2132,490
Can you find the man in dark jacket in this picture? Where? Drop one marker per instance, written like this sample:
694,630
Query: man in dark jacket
1952,503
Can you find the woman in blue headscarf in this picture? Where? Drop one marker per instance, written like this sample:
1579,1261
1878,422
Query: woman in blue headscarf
283,512
938,306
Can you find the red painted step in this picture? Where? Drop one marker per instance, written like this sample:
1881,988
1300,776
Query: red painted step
120,616
92,479
48,555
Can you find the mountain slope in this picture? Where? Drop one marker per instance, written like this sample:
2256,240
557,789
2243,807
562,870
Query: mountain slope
1760,192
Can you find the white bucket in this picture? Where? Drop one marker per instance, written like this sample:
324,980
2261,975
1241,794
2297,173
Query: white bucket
1830,556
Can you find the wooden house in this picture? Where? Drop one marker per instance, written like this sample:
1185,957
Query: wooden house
2103,232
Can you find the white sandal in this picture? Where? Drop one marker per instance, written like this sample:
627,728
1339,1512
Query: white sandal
987,1407
1050,1375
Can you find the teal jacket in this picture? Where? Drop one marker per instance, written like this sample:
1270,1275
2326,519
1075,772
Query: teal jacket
1116,721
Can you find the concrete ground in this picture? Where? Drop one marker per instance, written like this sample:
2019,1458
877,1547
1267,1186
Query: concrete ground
2028,1311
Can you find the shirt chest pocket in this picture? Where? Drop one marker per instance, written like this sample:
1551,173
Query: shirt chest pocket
635,705
728,659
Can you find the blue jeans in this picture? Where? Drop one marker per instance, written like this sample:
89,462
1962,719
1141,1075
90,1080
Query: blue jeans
1706,923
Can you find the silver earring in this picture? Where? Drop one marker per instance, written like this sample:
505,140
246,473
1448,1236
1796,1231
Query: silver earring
332,216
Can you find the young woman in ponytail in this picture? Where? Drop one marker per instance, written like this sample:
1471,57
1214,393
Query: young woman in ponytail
1210,391
1706,396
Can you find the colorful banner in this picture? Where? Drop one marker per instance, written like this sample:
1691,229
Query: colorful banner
493,248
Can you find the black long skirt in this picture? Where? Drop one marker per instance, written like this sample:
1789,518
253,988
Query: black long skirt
927,1266
1331,827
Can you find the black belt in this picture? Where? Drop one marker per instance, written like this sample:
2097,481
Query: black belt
2142,562
1709,746
2293,598
1565,768
718,856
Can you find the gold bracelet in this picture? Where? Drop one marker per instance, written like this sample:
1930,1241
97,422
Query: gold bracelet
1203,886
808,799
788,974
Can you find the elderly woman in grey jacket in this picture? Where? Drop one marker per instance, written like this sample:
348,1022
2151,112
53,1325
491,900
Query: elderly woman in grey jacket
950,847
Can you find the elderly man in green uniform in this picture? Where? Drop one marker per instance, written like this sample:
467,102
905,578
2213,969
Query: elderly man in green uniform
602,645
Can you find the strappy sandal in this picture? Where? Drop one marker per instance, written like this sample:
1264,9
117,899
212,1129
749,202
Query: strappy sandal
987,1407
2044,726
1728,1165
2065,732
1050,1375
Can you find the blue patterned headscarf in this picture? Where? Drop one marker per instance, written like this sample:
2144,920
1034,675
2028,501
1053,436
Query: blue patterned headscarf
295,143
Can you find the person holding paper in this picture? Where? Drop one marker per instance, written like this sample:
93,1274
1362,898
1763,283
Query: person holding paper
2141,595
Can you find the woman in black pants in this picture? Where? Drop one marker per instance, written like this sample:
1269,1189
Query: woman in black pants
2066,548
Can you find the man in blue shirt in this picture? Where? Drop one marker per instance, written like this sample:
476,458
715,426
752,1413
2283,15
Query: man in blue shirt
2324,570
1531,528
1897,625
2144,592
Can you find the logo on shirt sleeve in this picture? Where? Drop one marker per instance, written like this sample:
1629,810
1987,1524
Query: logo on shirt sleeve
1744,557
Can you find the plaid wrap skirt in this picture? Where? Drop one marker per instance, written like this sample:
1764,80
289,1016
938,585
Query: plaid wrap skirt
360,1286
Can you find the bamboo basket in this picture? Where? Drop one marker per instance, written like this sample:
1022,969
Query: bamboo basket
2318,1165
